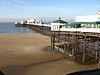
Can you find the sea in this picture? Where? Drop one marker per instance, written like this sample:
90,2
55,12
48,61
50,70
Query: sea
9,28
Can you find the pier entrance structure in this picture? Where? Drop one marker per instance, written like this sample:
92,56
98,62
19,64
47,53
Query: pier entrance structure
79,44
58,24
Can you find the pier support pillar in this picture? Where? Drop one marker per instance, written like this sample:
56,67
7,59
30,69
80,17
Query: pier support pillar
53,40
58,40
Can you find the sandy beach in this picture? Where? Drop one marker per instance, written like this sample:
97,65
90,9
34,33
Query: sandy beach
26,54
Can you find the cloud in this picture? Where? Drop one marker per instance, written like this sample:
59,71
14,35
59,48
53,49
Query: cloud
97,6
18,1
22,4
42,8
4,2
11,2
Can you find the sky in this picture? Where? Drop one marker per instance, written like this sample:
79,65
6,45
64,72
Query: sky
22,9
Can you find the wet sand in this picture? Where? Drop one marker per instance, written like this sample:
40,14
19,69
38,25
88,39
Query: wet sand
26,54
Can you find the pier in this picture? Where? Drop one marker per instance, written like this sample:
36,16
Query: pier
43,29
81,47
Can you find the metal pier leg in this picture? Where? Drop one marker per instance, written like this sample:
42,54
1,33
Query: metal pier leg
53,40
58,39
96,57
65,45
83,60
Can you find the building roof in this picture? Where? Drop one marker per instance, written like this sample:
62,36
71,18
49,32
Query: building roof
59,21
58,25
98,12
78,23
86,22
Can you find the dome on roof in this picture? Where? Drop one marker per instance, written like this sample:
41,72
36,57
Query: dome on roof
98,12
59,21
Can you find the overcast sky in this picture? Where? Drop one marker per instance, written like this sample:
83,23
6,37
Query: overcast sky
10,9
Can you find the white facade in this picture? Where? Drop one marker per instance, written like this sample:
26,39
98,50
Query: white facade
33,21
58,23
56,26
90,18
93,30
21,22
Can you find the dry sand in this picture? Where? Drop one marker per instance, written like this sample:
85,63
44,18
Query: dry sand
21,54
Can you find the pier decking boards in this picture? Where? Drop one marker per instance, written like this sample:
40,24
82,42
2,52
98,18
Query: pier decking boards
80,46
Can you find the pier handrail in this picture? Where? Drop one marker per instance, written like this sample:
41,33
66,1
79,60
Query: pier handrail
93,30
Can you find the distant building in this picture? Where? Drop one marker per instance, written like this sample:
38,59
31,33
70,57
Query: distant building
90,18
34,22
98,13
90,21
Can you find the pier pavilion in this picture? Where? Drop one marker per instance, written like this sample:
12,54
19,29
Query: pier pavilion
57,24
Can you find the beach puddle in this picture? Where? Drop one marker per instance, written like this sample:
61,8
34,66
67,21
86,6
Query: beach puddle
50,48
